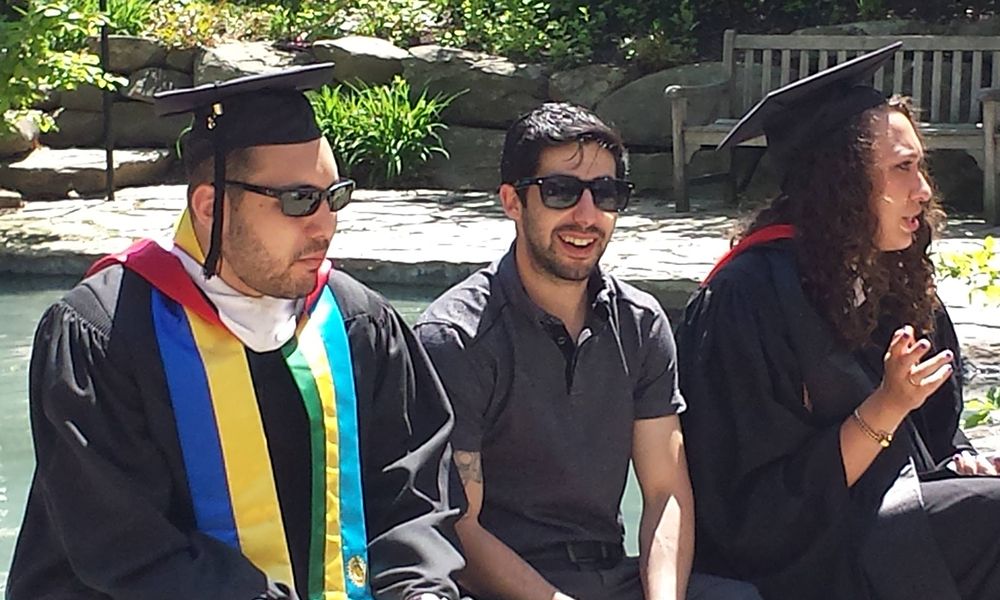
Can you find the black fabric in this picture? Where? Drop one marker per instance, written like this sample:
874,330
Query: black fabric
964,515
622,581
543,409
254,110
768,387
282,411
109,514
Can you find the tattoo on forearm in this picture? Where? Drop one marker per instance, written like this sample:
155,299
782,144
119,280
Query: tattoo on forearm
470,466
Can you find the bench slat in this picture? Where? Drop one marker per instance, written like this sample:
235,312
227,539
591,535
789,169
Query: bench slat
786,67
878,82
936,66
918,78
765,79
866,43
956,85
824,60
748,60
841,56
975,83
803,63
995,77
897,74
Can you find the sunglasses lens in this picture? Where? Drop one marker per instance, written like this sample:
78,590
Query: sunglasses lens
300,203
561,192
340,195
610,194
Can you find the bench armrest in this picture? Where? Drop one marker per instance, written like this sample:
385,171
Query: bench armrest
690,91
989,94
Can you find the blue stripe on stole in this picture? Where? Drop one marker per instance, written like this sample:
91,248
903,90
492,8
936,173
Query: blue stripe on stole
195,417
352,512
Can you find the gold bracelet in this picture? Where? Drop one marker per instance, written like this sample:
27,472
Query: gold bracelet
884,438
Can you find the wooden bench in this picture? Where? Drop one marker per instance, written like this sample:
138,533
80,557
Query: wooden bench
955,106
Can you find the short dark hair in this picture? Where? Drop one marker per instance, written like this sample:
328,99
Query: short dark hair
238,163
554,124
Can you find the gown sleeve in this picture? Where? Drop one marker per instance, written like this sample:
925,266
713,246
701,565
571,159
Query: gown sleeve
101,496
412,493
769,483
938,418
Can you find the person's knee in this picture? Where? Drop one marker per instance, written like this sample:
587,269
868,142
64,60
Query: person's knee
712,587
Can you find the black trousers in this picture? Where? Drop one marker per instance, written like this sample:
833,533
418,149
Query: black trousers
622,582
964,515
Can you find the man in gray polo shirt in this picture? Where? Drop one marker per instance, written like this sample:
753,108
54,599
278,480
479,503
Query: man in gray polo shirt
559,375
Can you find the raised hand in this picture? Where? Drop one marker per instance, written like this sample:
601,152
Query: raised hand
907,382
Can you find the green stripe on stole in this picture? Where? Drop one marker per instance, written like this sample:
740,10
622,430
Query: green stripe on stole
309,357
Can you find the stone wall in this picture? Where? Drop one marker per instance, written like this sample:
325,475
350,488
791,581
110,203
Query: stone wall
494,90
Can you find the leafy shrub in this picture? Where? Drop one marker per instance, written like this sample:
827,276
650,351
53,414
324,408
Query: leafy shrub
380,133
189,23
126,17
978,270
35,61
985,410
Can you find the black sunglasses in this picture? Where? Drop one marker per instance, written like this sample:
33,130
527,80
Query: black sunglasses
564,191
304,201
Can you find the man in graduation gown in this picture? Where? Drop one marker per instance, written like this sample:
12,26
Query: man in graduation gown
223,415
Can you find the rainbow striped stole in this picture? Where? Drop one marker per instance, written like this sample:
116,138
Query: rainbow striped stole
222,439
225,450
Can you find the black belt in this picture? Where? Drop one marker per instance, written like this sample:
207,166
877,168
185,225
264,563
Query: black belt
580,555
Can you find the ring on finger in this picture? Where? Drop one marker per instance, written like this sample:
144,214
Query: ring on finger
909,378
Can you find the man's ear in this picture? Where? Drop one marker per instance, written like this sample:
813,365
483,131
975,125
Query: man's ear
510,201
202,201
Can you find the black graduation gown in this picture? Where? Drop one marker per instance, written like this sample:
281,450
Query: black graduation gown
109,513
768,387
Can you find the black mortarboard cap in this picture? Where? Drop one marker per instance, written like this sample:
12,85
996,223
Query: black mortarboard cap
793,116
255,110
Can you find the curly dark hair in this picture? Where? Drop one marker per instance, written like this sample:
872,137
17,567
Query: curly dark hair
828,197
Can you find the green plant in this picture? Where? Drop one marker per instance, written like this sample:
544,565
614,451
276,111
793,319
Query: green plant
126,17
985,410
34,60
978,269
380,133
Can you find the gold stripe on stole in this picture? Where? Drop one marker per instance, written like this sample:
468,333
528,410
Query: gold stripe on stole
249,473
314,351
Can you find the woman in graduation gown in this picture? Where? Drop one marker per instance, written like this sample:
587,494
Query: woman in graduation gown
821,371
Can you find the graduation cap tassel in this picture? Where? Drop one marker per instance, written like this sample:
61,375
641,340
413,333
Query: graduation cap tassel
215,245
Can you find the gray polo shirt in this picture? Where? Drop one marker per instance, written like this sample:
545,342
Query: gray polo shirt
551,418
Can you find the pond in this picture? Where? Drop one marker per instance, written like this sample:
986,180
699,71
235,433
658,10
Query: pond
23,301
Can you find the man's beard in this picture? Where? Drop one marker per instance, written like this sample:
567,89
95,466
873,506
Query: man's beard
544,256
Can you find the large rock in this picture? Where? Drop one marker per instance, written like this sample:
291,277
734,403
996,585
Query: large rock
181,59
653,171
47,173
135,125
494,91
361,59
642,113
83,97
18,136
474,162
10,199
235,59
586,85
130,53
75,128
958,178
889,27
145,82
